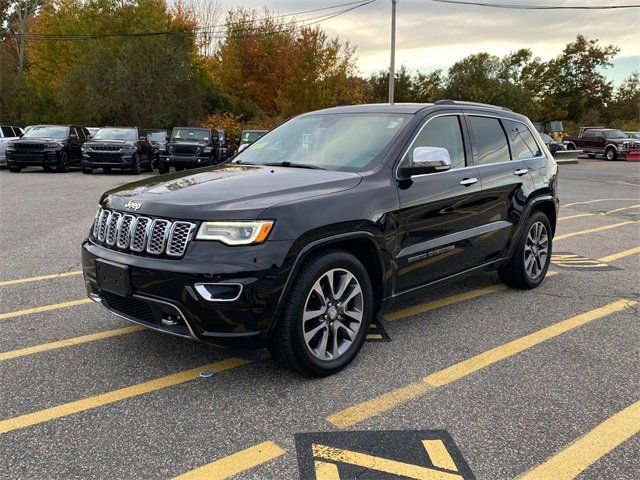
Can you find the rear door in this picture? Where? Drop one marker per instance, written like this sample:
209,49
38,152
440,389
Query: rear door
437,220
500,149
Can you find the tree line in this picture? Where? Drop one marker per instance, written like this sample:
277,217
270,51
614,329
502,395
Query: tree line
153,64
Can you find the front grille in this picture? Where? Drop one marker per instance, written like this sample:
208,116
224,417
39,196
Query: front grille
29,146
188,149
142,234
105,158
129,307
106,148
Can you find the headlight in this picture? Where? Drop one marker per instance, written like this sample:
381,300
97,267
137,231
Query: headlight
128,148
10,148
53,145
235,233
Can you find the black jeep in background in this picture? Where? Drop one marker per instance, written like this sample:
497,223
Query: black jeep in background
52,147
158,139
125,148
190,147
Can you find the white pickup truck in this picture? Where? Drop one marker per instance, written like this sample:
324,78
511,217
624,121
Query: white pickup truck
7,133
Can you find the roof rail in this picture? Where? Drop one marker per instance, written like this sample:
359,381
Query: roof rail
471,104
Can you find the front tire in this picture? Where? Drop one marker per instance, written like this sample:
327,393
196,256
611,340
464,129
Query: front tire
532,255
163,168
611,154
63,163
326,316
135,167
14,169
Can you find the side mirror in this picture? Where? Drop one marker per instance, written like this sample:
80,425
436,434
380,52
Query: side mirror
427,160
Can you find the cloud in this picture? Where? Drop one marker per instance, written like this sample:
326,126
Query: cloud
433,35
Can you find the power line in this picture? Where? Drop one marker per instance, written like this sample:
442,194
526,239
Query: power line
218,30
537,7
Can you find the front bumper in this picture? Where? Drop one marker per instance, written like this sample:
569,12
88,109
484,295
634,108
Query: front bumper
32,158
164,288
115,160
173,160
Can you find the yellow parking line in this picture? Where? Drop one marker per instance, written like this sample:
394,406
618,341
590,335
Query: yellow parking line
593,230
577,457
389,400
443,302
617,256
599,200
239,462
65,409
576,216
623,208
44,308
69,342
41,277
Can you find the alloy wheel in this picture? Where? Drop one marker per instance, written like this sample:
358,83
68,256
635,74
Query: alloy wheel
536,250
333,314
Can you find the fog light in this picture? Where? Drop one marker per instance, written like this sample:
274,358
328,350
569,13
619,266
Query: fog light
219,292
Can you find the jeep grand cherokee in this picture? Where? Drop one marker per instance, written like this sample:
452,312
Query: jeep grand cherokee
323,223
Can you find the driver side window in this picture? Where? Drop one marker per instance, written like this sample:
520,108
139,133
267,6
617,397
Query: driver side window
444,132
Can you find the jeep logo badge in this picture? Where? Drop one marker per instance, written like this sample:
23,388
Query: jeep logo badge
132,205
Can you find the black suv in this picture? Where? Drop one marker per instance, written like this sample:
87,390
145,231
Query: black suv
298,244
47,146
158,139
190,147
126,148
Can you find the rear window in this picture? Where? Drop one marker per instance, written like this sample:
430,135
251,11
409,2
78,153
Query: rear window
523,144
491,142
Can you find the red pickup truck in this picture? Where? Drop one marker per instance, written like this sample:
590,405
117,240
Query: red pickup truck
610,142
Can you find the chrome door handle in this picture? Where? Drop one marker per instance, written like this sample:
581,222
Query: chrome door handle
521,171
468,181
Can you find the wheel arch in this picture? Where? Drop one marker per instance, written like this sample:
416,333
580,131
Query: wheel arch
362,245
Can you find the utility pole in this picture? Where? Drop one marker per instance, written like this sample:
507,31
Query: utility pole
392,67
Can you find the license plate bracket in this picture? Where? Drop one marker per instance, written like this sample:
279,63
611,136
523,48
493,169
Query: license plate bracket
114,278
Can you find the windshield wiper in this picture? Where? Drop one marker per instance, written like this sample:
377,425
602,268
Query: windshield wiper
294,165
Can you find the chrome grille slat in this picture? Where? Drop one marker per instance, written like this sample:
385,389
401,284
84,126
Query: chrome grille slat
154,236
124,231
112,229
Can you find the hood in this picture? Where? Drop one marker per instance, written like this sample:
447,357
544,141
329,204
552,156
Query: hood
110,142
198,143
225,192
39,140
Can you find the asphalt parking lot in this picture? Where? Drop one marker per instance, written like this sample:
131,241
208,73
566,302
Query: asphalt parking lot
540,384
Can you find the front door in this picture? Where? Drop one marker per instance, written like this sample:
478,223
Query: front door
438,219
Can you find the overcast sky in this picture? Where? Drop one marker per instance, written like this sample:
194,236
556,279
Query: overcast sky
433,35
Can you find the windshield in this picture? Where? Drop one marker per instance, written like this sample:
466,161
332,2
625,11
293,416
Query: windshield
45,131
127,134
250,137
157,136
348,142
614,134
193,134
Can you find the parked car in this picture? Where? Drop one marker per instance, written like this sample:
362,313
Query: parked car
52,147
125,148
551,144
297,245
158,139
610,142
7,133
248,137
634,135
191,147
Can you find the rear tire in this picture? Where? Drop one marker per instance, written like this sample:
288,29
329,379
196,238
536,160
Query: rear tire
532,255
337,318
